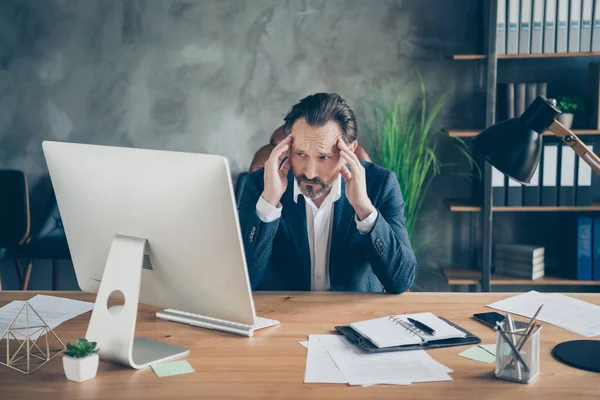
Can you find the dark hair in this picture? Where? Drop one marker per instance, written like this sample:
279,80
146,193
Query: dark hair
320,108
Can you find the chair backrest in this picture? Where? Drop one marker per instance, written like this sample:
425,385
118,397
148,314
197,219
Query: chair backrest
15,221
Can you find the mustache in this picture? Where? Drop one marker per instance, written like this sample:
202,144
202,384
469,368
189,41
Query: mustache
314,180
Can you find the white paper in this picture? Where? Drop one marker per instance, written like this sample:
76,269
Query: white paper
490,348
53,311
393,368
385,332
304,344
320,367
563,311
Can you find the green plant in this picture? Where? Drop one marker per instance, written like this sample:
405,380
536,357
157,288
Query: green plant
81,348
406,143
569,104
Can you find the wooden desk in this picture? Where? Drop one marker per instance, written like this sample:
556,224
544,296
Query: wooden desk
271,364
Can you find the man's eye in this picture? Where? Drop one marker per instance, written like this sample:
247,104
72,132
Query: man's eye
301,154
325,157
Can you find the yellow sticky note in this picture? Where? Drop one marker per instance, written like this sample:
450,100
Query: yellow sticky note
478,354
172,368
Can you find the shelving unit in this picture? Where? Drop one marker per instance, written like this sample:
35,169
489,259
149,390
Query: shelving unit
468,133
467,57
484,209
469,276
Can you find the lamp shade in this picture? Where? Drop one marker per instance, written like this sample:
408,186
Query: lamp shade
514,146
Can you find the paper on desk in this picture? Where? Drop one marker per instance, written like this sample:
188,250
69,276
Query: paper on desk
490,348
320,367
53,310
304,344
563,311
172,368
478,354
393,368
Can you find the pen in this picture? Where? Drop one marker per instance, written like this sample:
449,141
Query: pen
421,326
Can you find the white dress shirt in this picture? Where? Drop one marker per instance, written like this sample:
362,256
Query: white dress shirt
318,224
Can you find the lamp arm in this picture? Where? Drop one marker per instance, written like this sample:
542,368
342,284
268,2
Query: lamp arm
571,140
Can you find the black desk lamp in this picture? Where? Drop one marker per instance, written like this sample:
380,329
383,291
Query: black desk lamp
514,147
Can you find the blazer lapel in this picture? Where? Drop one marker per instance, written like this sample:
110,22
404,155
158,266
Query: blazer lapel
295,216
343,213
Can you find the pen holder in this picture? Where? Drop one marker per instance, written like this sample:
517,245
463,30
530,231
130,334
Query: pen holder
524,367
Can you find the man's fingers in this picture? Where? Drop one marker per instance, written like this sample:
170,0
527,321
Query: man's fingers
345,149
345,173
351,162
285,167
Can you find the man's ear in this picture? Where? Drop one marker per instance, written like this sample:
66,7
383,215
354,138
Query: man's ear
353,146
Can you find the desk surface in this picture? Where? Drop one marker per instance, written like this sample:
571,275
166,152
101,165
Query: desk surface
271,364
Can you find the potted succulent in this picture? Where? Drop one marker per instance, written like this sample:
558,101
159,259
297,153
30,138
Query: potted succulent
568,105
81,360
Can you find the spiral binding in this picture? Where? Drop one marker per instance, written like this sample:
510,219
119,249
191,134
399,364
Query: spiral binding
409,327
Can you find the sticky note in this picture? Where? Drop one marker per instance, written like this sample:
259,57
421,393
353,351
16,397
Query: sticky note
172,368
478,354
490,348
304,344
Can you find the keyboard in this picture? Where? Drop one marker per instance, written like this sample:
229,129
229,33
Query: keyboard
259,322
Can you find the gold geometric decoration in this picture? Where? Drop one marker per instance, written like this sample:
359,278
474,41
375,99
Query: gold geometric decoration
29,342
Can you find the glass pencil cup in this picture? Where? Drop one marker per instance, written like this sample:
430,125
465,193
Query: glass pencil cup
524,367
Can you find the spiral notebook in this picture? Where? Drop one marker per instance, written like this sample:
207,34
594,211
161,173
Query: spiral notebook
398,331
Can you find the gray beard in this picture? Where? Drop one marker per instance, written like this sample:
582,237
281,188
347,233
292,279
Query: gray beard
315,194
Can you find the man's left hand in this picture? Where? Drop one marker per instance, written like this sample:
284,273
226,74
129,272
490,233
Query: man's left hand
356,183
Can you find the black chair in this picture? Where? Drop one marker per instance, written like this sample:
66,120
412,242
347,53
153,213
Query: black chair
15,219
239,187
49,243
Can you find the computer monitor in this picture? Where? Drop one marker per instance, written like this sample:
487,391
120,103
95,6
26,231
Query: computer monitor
177,207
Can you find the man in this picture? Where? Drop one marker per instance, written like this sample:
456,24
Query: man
317,218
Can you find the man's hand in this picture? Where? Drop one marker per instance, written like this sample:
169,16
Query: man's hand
276,175
356,184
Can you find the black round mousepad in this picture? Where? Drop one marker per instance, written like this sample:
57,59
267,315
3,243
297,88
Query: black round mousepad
582,354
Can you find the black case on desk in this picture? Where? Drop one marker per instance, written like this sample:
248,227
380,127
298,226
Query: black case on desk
359,340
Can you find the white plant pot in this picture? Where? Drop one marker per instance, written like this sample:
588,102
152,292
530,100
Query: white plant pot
566,120
80,369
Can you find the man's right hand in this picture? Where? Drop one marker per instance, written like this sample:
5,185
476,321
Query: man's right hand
276,173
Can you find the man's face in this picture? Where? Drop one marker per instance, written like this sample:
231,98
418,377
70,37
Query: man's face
315,157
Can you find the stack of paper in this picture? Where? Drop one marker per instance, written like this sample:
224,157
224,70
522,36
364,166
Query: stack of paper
332,359
53,310
563,311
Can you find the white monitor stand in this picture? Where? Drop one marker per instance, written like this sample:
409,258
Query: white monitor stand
113,328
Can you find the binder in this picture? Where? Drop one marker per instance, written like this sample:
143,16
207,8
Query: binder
525,27
537,26
583,196
562,26
549,174
596,250
520,98
510,100
596,28
531,192
566,191
365,344
530,94
515,194
594,93
501,27
574,29
585,43
512,33
584,249
542,89
498,190
550,27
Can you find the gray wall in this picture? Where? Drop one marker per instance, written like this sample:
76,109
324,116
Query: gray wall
218,76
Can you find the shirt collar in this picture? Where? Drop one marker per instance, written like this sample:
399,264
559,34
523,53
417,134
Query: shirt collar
334,194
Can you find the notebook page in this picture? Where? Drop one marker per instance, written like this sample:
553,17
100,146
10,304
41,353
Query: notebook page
442,329
384,332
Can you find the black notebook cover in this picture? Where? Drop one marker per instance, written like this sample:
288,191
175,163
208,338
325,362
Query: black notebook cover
359,340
